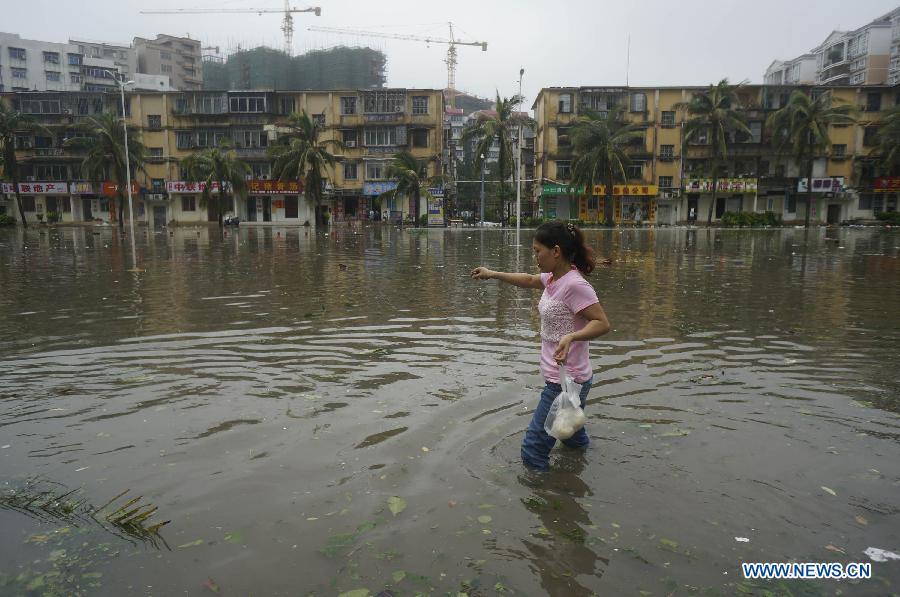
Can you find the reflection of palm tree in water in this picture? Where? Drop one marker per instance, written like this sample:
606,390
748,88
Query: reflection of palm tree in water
558,551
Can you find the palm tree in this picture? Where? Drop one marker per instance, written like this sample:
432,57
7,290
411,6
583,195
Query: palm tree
800,129
412,179
599,143
889,140
220,165
105,153
12,122
496,127
303,157
715,112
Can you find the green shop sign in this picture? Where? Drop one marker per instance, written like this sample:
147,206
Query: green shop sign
561,189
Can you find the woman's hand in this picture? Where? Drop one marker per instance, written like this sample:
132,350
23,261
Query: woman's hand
482,273
562,349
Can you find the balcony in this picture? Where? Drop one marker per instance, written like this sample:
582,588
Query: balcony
252,152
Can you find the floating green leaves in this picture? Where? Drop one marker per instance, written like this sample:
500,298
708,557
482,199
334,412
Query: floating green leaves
484,519
396,504
338,543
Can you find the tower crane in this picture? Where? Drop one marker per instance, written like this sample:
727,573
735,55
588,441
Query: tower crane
450,60
287,24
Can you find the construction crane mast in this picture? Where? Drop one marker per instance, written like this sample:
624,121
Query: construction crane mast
287,25
450,60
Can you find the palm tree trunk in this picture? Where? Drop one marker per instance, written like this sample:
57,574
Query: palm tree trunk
712,203
416,197
809,174
608,204
15,182
219,200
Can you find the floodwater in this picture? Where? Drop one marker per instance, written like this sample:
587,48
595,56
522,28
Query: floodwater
318,414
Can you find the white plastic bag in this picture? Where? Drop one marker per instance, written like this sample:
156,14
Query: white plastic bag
565,416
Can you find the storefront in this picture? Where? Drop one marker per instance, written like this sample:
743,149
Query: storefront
187,204
733,195
559,201
390,208
273,201
41,201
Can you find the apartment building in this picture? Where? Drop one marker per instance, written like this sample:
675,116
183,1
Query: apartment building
668,180
178,58
372,124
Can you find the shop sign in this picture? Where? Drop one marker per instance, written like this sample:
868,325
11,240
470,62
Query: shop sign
832,184
274,187
186,187
887,184
628,190
374,189
723,185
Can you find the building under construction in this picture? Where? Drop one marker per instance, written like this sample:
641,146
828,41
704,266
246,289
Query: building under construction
335,68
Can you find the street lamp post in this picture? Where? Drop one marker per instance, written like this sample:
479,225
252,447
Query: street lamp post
519,168
481,166
122,85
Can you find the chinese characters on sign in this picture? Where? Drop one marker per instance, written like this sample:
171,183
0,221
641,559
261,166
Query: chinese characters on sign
274,187
182,186
38,188
887,185
628,190
833,184
724,185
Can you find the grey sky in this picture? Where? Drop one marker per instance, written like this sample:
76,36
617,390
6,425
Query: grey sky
566,42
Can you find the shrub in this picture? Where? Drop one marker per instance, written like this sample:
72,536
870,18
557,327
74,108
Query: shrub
53,216
890,217
746,219
7,220
423,220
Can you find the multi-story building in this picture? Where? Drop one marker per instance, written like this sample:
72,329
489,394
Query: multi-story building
32,65
668,180
799,71
372,124
178,58
864,56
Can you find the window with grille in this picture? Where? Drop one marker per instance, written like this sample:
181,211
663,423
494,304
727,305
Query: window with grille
189,203
666,182
348,105
154,121
420,104
565,103
634,171
668,119
350,170
666,152
563,170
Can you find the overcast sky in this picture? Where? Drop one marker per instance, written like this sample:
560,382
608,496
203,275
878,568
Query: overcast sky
562,42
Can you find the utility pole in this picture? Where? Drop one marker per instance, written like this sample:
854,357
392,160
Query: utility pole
481,166
519,168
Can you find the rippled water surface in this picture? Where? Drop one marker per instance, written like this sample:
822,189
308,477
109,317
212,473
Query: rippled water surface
325,413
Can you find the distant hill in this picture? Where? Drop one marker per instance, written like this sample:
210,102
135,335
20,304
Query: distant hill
265,68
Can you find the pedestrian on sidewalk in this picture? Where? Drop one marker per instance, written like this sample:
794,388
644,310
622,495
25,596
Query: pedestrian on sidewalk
571,316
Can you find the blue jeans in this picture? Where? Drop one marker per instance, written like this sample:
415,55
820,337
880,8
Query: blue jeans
537,443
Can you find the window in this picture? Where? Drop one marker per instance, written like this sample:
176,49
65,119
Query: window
189,203
104,205
74,59
51,57
873,102
75,78
865,201
791,203
158,185
154,121
19,73
250,138
420,104
348,136
562,137
563,170
666,182
97,73
17,53
261,170
28,204
668,119
381,136
593,203
348,105
869,136
41,107
858,78
50,172
165,68
374,170
419,138
638,102
565,103
288,105
666,152
839,150
52,75
165,55
634,171
380,102
253,103
350,170
318,119
184,139
155,152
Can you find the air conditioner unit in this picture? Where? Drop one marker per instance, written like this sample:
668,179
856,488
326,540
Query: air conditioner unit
350,143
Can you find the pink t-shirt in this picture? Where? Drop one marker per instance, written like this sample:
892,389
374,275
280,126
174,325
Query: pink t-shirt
560,303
